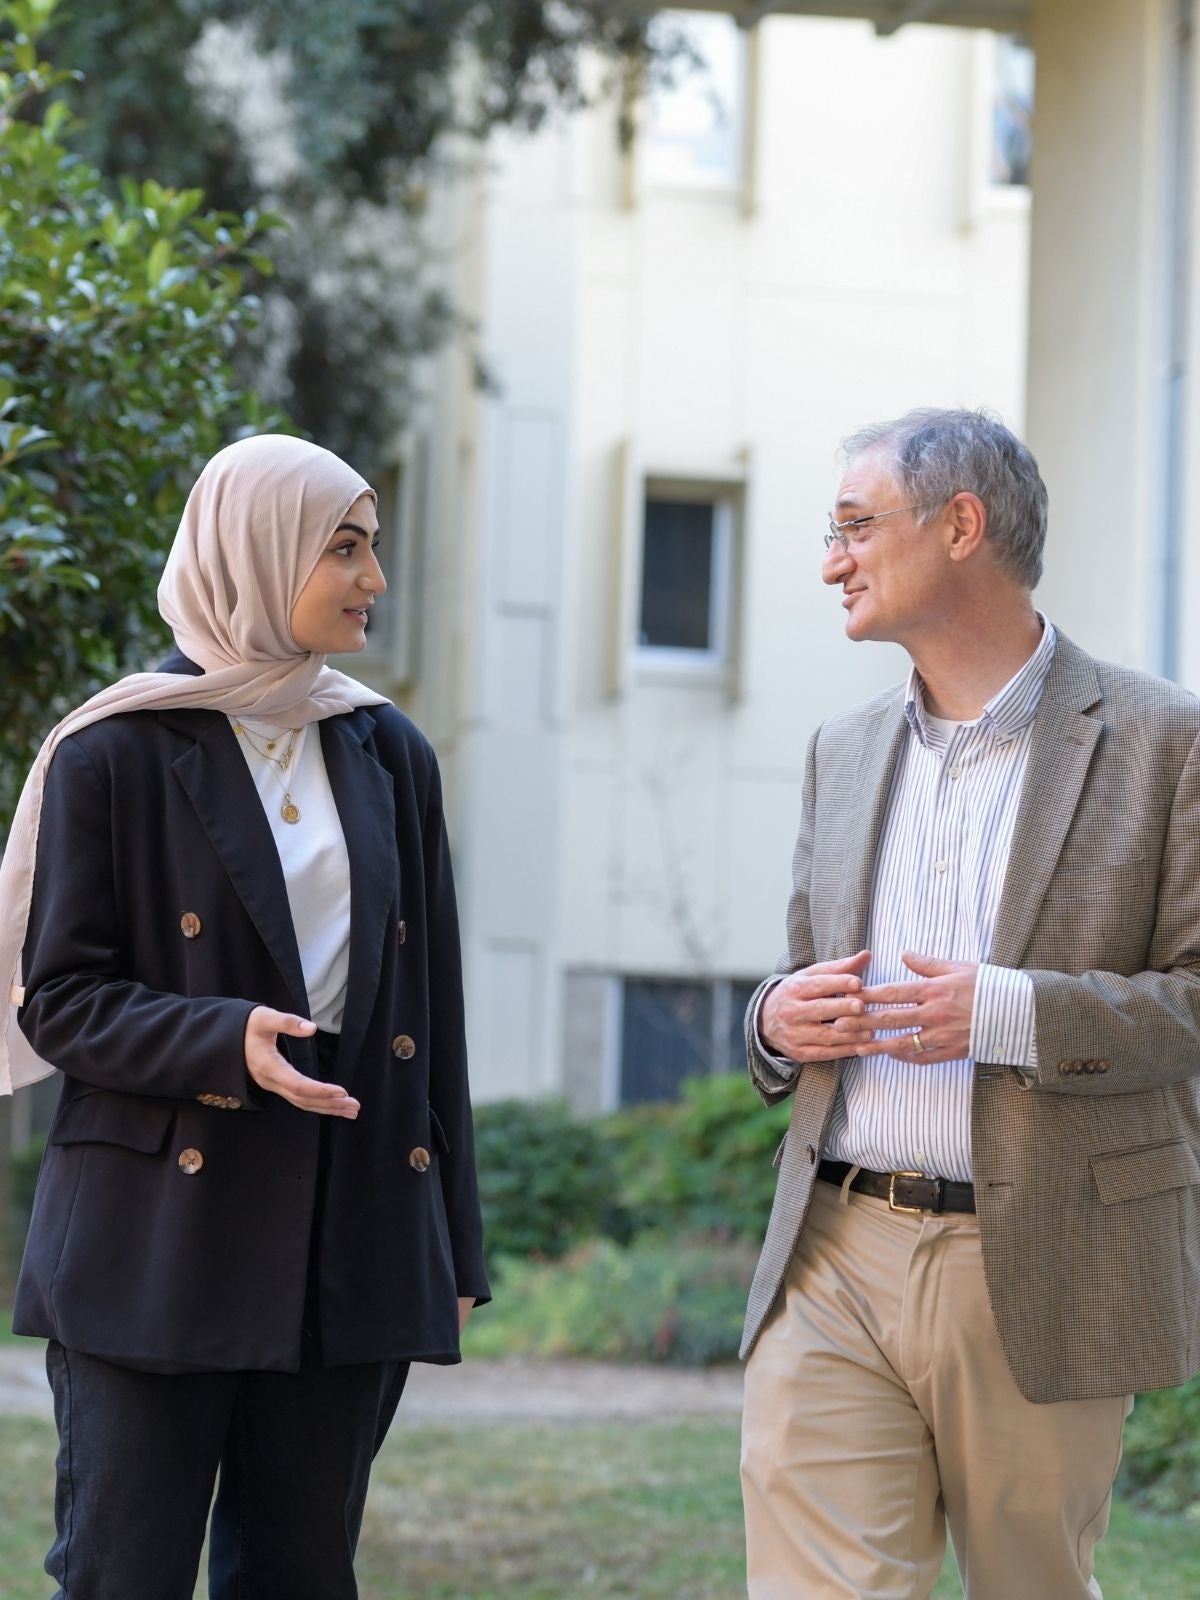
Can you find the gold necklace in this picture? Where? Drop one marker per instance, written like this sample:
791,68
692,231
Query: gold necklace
289,810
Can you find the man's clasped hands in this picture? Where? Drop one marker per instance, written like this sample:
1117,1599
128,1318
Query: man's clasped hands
824,1012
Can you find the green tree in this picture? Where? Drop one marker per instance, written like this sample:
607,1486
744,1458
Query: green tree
118,313
374,102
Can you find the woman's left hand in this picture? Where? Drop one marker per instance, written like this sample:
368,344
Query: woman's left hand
465,1308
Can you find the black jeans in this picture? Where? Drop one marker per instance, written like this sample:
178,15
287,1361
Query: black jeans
139,1454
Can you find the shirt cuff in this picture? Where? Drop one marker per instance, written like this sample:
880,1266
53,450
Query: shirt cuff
1003,1030
783,1068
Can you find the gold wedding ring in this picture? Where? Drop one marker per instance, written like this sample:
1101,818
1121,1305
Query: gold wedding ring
916,1039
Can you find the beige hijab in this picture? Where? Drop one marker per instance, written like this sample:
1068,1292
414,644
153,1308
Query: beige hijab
254,526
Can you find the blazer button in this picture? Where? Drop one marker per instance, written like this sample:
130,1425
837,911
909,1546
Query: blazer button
403,1047
190,925
190,1162
401,932
418,1159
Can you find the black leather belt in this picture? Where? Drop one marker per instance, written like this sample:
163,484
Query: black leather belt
903,1191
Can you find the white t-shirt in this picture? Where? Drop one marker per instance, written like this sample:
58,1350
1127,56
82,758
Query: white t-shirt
312,852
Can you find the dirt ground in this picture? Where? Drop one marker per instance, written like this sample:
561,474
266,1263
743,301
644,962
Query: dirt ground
478,1391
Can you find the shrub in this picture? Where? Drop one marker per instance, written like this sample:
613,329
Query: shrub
700,1165
1162,1449
680,1302
546,1180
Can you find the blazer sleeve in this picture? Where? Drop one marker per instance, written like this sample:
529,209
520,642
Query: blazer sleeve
1113,1033
774,1076
82,1012
449,1093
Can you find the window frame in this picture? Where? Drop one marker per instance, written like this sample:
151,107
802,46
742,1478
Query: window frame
636,181
987,200
678,658
632,473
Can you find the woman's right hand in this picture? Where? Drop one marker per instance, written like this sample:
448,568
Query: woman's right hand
272,1072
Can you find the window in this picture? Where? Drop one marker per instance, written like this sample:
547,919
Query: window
1012,112
666,1036
684,603
673,1029
693,132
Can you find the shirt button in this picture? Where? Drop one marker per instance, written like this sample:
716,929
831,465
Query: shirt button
190,1162
956,772
940,866
997,1054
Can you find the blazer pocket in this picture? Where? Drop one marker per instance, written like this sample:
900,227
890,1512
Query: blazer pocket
438,1133
104,1117
1133,1174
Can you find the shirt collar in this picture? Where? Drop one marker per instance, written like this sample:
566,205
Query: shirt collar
1010,709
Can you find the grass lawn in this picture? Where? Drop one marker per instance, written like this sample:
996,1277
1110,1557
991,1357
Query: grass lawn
532,1512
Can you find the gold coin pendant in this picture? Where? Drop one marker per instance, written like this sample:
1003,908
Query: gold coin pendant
289,811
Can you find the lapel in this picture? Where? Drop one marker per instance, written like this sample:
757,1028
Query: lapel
1064,740
884,733
364,795
217,781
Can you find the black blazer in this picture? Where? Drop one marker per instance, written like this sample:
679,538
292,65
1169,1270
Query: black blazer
160,919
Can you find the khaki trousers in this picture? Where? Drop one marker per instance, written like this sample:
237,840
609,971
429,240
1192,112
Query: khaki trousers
879,1405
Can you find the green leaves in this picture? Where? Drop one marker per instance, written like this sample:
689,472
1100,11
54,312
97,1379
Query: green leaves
117,316
160,260
348,117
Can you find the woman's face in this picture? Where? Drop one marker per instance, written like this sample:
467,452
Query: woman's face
330,616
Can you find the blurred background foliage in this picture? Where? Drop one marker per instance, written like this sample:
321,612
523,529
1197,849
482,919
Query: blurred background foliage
342,118
631,1236
120,306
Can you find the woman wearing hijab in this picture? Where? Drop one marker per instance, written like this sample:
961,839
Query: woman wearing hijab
228,919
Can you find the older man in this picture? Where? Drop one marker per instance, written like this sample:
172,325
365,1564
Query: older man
986,1233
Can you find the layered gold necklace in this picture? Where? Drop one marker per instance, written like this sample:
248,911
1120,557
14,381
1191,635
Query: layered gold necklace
278,765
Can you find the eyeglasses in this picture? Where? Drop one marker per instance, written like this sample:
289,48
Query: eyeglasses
837,530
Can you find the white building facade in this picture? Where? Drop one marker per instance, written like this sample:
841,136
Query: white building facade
606,608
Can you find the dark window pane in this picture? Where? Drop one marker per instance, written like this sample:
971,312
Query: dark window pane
739,999
677,574
666,1036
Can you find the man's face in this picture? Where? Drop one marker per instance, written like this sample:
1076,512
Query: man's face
894,574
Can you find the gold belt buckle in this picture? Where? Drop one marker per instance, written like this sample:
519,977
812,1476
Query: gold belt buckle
892,1203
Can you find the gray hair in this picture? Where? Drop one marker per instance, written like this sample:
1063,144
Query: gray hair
938,454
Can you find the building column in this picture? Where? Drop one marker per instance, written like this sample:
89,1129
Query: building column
1109,374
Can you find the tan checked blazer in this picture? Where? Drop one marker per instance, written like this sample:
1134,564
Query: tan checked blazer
1087,1176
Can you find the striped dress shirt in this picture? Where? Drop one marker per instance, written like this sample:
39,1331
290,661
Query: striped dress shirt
936,891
